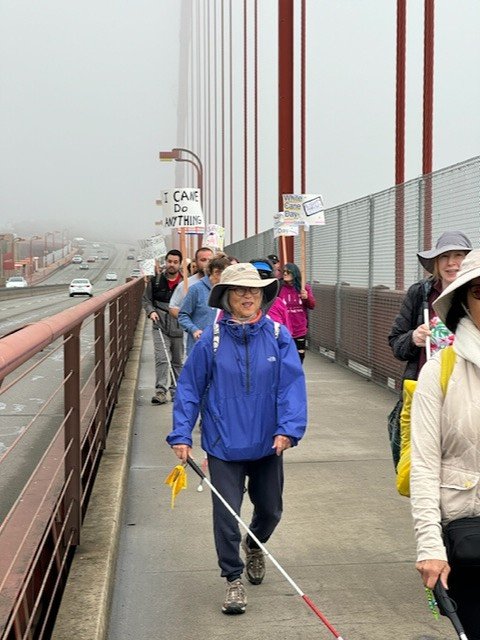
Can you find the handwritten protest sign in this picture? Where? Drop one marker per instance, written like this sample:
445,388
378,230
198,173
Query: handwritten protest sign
282,228
214,237
182,208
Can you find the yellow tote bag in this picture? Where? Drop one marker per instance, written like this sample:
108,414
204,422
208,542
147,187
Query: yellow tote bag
447,360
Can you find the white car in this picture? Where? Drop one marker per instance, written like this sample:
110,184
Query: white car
136,273
111,276
16,282
77,259
80,287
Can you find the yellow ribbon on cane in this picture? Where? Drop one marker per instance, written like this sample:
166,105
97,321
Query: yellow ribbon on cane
177,479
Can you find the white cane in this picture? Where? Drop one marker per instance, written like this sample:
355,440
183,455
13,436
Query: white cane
170,368
426,320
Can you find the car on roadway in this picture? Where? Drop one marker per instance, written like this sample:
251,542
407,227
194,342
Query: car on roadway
111,276
130,257
16,282
84,265
91,259
136,273
80,287
105,258
77,260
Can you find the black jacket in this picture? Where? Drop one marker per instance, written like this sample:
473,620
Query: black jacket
408,319
156,297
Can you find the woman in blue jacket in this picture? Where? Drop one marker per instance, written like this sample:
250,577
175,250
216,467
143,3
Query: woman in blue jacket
245,376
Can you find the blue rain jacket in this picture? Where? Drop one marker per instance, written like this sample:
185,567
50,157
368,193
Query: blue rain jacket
248,391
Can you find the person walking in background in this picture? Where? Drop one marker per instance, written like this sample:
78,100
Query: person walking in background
298,302
276,265
278,310
248,383
168,346
202,258
445,464
195,314
408,334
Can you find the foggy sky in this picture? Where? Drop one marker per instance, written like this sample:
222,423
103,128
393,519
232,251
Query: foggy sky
89,93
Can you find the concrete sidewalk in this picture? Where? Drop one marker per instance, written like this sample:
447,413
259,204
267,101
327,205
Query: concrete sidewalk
345,538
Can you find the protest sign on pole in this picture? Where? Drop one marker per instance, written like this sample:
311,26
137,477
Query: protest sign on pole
283,228
150,252
182,208
214,237
309,210
305,208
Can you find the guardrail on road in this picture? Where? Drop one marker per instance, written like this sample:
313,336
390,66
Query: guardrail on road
39,533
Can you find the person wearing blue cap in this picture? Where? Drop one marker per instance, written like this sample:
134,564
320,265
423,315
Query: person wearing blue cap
278,311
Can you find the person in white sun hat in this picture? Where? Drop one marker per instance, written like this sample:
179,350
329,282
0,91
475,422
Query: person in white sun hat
245,377
445,471
409,332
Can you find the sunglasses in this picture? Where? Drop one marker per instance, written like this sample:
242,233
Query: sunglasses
475,291
242,291
287,272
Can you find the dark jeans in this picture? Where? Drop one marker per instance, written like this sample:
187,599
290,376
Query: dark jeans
265,487
464,588
301,344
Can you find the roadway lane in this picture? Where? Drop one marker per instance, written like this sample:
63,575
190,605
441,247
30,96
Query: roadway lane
18,312
20,404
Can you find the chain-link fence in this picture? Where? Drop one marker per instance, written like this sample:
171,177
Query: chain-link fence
353,262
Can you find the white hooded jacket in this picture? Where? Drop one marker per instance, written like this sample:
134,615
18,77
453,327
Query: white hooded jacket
445,472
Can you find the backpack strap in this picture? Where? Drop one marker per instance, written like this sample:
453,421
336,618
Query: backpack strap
216,337
447,364
276,329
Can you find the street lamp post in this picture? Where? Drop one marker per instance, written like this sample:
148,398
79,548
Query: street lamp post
176,154
32,269
45,249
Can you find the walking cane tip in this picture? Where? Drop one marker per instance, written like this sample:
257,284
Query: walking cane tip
200,487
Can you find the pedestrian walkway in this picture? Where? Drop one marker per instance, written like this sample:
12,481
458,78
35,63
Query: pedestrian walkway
345,538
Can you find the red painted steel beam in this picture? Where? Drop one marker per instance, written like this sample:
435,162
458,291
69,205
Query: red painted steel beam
245,122
400,145
255,113
285,112
427,159
303,98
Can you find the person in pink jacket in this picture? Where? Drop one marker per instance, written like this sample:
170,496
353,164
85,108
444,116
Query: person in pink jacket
278,311
298,302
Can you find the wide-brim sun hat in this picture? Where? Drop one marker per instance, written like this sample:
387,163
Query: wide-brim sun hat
448,241
469,270
242,274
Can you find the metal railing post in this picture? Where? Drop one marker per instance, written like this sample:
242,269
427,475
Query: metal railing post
73,493
100,387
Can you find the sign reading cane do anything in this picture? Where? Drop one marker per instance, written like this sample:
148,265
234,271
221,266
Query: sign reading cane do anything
182,208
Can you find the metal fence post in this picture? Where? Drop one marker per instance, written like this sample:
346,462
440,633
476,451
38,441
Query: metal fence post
100,387
421,210
338,302
73,493
371,256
